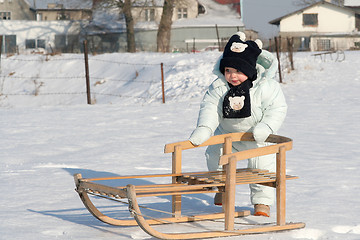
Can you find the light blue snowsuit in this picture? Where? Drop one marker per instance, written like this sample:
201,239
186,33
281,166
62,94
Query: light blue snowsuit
268,111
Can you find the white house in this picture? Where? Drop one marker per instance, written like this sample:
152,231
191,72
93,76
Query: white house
39,29
40,35
322,26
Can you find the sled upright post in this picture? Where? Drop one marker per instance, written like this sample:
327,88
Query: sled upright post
207,182
176,169
280,186
230,184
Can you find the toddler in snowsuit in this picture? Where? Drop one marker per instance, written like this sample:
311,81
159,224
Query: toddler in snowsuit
245,97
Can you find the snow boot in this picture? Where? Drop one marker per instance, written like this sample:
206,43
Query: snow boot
261,210
218,199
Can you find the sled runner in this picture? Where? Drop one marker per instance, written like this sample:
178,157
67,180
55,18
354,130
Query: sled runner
196,183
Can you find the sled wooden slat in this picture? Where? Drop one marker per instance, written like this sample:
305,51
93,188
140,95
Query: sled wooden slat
94,187
131,177
242,177
174,193
197,183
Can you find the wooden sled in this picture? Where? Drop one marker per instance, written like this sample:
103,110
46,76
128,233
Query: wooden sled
200,182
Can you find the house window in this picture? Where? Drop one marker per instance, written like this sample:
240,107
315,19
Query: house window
30,43
70,43
40,43
357,21
63,16
149,15
5,16
8,43
182,13
323,45
310,19
304,44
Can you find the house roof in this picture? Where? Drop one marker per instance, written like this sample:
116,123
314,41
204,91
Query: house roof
277,20
67,4
215,14
153,3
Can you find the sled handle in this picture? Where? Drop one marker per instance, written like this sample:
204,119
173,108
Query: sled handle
256,152
220,139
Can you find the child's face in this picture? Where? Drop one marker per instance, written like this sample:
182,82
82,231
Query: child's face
234,76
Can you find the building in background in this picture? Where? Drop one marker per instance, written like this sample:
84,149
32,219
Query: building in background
322,26
61,26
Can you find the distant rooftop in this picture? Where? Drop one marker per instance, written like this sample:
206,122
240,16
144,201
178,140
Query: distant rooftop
66,4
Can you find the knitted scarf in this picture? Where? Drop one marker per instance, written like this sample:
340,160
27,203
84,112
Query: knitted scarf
236,103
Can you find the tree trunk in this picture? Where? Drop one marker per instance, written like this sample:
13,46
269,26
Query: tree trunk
164,31
130,34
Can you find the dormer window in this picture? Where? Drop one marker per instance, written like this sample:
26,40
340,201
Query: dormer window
201,9
182,13
51,5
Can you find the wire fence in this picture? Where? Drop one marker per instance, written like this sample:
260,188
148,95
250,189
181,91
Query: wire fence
16,79
109,79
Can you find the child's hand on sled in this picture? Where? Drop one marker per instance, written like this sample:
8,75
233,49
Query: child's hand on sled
200,135
261,132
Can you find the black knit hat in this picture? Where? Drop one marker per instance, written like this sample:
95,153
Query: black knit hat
241,55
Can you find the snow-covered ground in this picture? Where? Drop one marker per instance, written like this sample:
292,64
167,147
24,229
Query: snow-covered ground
48,133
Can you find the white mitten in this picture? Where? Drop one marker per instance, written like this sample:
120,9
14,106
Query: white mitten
261,132
200,135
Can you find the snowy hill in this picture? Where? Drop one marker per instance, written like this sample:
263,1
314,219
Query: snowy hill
49,133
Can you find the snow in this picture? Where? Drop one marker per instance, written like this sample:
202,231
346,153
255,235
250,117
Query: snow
352,3
51,136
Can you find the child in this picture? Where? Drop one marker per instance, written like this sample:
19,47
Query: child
244,98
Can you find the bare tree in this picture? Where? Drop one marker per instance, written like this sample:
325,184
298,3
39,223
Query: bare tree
124,7
164,30
130,34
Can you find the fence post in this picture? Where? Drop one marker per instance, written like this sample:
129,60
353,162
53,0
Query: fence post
162,83
290,42
87,73
1,43
278,57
